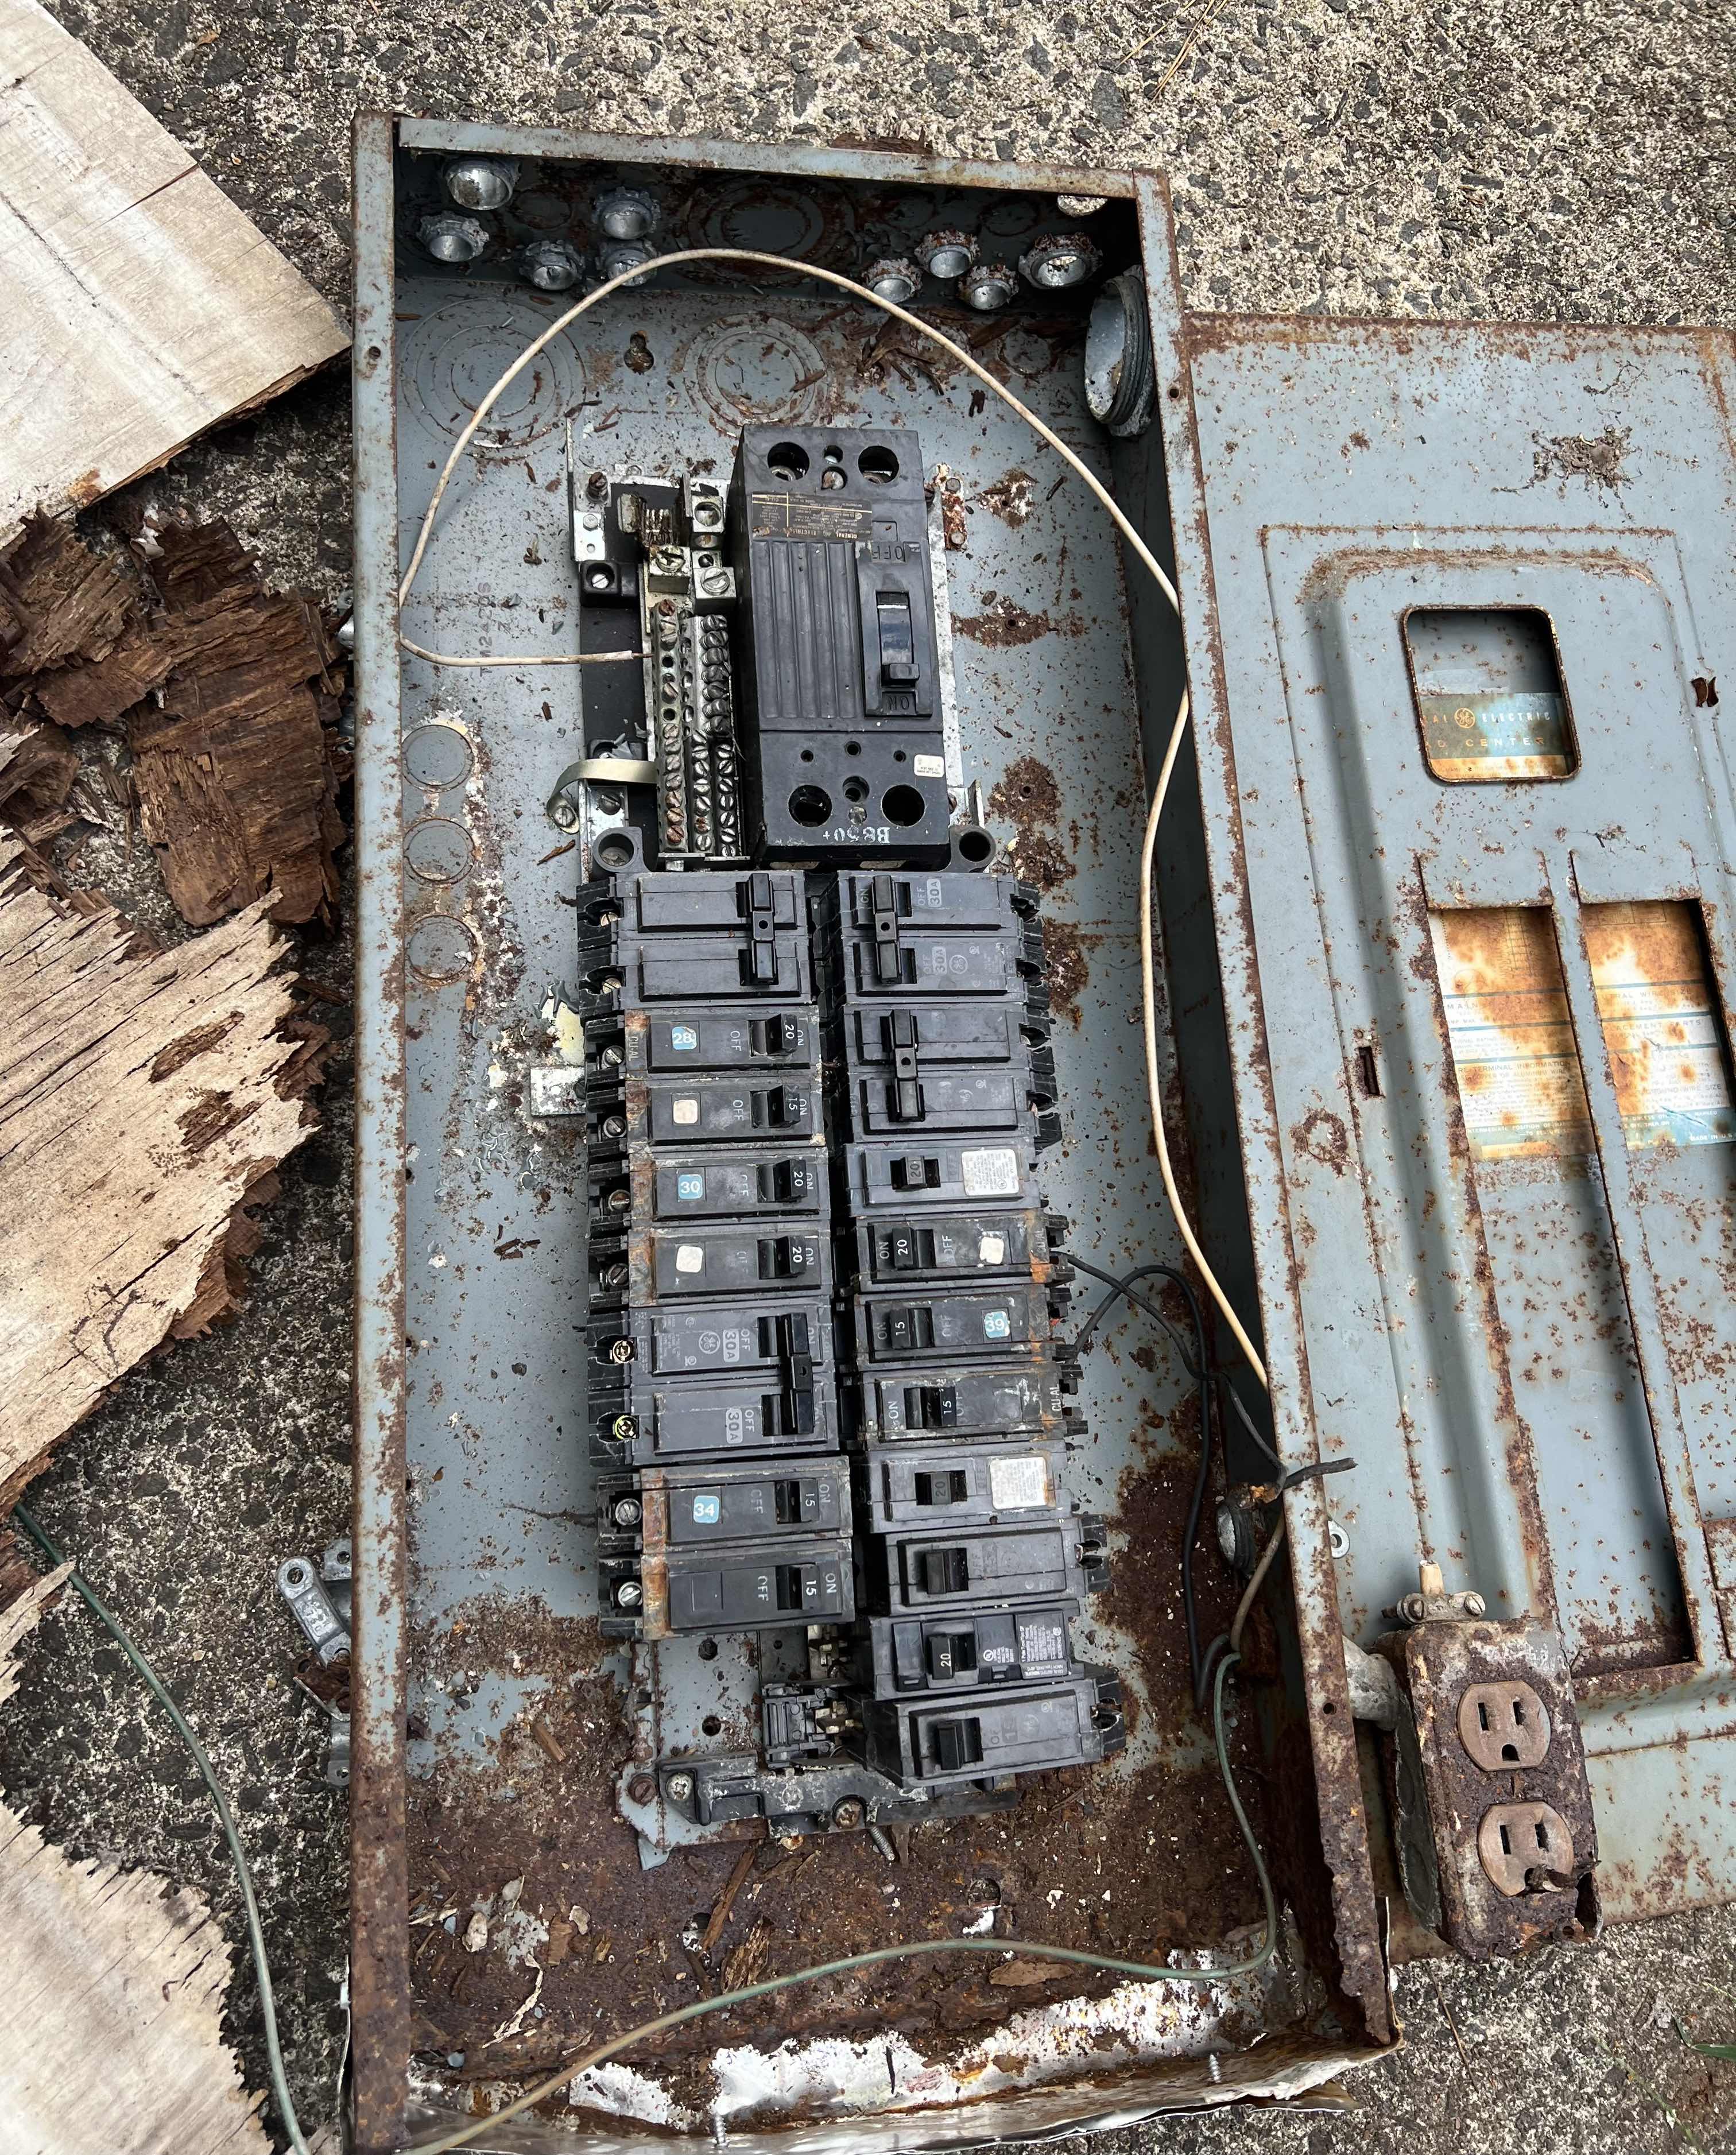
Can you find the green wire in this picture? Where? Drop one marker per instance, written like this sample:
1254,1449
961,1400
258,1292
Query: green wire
183,1729
468,2135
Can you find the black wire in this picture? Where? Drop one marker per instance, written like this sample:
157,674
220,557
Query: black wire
1247,1419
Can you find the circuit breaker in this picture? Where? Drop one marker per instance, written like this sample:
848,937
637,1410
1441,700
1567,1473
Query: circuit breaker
839,665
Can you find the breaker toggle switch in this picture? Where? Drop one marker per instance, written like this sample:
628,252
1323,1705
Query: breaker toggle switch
762,927
906,1078
898,639
883,902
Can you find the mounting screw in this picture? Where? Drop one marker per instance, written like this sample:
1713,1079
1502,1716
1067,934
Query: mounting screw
629,1594
564,816
849,1813
627,1511
641,1787
678,1788
621,1350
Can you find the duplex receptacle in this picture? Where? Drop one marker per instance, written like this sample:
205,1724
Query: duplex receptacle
1504,1727
1525,1848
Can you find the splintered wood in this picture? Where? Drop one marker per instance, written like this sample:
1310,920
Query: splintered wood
145,1100
110,2016
236,789
141,307
228,695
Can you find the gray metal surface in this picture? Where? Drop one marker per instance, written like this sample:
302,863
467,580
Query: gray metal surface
498,1482
1517,1325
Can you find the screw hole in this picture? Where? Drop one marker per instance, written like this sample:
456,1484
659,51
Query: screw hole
787,461
811,805
903,805
711,1725
708,1650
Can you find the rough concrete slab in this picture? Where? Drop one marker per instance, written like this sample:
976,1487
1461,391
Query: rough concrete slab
1338,156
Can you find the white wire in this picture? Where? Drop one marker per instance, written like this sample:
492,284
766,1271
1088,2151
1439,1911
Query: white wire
1117,515
557,658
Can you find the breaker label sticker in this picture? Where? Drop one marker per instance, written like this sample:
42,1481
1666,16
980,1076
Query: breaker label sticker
689,1257
684,1110
1042,1646
708,1508
689,1187
1016,1485
996,1324
684,1036
802,516
991,1249
992,1172
928,766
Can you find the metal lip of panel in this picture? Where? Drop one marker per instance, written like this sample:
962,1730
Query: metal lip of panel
801,159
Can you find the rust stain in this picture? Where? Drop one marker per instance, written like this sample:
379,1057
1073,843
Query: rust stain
1007,626
1028,799
1322,1137
1068,949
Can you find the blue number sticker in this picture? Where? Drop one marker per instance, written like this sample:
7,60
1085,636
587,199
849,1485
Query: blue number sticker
996,1324
690,1188
684,1036
708,1509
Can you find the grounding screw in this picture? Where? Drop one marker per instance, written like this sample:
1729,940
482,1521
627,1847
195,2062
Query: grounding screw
849,1813
564,816
641,1787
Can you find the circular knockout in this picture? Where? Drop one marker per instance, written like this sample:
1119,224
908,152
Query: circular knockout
811,804
903,805
438,755
438,850
440,950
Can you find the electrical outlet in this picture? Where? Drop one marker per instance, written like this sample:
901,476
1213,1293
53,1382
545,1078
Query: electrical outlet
1504,1727
1525,1848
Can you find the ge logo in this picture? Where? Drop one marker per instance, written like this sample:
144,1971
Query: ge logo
709,1342
1464,717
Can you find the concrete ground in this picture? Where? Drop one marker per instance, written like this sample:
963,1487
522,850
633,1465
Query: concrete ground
1515,160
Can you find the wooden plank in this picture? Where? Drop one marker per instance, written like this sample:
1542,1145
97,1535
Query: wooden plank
141,306
146,1099
110,2034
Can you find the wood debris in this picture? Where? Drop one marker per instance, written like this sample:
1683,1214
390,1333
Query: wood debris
38,765
228,695
60,603
146,1099
144,305
726,1900
110,2018
237,784
746,1964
